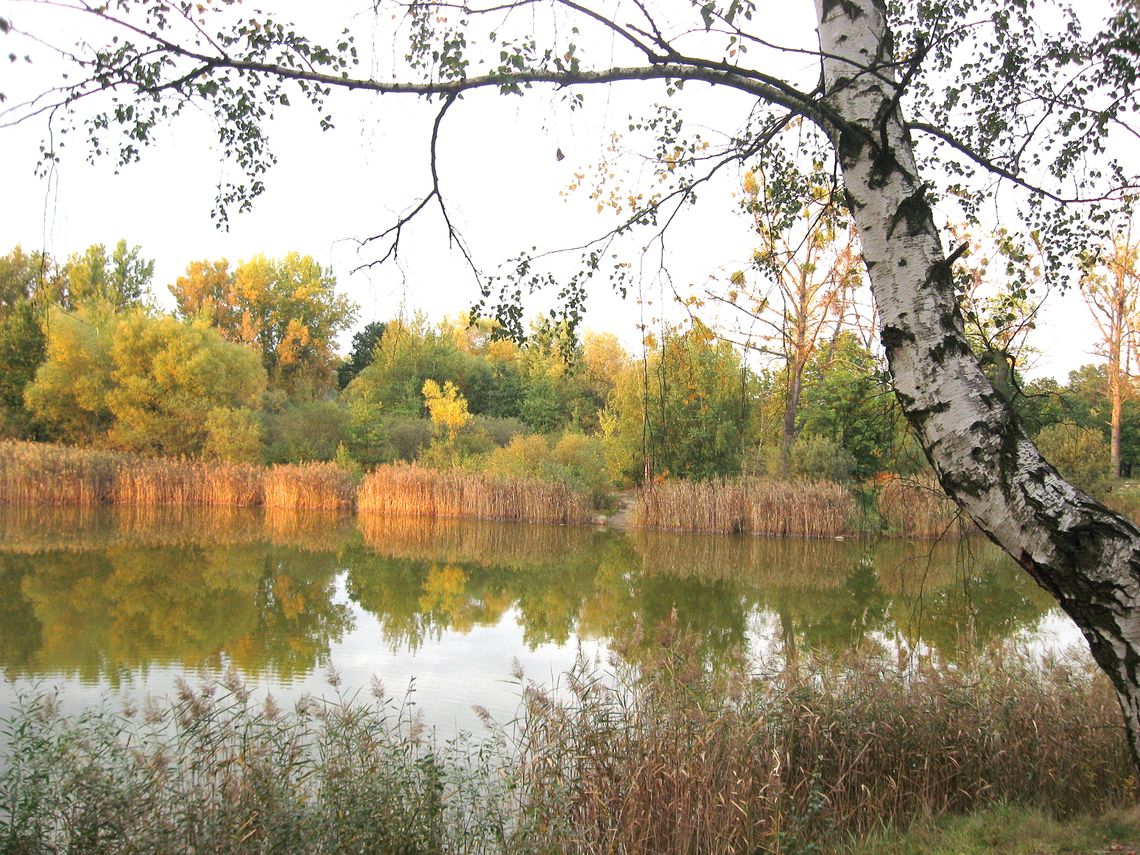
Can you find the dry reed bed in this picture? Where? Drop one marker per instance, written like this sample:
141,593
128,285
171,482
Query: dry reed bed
309,486
677,760
44,474
153,481
748,506
41,474
410,490
920,509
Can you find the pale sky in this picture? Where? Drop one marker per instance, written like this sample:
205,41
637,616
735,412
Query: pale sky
498,163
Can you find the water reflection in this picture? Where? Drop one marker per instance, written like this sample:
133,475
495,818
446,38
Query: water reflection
97,594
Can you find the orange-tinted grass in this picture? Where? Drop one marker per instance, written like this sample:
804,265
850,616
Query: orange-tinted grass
409,490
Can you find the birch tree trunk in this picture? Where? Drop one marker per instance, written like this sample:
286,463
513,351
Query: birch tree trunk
791,409
1085,555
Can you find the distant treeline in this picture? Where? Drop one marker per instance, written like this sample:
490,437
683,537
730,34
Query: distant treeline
244,371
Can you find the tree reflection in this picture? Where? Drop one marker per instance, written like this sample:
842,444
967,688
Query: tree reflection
120,596
101,613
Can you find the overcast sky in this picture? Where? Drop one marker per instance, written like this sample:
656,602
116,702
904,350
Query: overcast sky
498,159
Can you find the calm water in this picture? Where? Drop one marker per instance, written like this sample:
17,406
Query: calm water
98,602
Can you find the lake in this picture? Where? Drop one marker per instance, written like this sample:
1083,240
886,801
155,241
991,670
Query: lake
101,602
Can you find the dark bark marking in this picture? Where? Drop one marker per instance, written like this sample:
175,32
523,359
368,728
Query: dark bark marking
902,262
920,415
851,145
883,165
914,212
951,345
894,337
850,9
963,485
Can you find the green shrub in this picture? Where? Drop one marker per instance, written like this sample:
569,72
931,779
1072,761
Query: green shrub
1080,454
234,434
584,460
575,460
499,429
405,437
820,457
307,431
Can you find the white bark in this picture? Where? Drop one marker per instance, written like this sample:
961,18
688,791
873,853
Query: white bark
1081,552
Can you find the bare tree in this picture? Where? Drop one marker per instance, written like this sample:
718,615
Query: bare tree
808,267
999,279
1112,293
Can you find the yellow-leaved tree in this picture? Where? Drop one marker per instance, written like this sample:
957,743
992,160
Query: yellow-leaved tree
447,406
288,308
139,382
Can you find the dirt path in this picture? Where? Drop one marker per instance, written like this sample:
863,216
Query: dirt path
620,518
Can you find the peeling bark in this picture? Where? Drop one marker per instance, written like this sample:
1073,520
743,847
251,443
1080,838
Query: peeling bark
1085,555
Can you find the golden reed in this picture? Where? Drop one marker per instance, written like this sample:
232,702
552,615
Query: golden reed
407,490
748,506
919,508
43,474
309,486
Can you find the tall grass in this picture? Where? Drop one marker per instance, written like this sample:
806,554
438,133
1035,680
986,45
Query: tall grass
155,481
41,474
309,486
409,490
45,474
749,506
216,772
920,509
670,757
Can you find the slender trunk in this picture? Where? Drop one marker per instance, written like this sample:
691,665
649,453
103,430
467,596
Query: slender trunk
1114,374
1085,555
791,411
1116,395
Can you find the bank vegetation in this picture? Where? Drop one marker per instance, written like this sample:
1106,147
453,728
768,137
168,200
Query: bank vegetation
808,755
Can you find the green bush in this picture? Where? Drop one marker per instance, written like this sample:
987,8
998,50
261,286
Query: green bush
575,460
584,460
405,437
306,431
823,458
234,434
1080,454
500,430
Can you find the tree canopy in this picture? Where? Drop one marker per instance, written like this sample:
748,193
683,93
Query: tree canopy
288,308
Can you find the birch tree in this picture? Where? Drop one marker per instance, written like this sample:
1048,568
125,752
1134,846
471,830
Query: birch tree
914,104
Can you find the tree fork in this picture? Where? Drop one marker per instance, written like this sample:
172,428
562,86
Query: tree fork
1085,555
